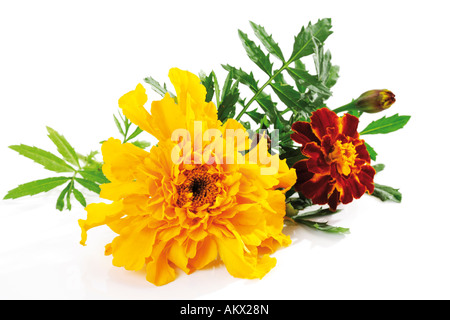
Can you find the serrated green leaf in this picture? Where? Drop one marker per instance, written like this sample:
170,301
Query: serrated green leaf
263,99
156,86
79,196
303,43
267,41
385,193
208,83
89,185
386,125
35,187
287,94
333,76
255,53
243,77
161,90
94,175
63,147
309,80
60,200
255,115
228,107
45,158
229,98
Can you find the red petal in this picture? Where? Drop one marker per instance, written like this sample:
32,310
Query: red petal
316,162
365,176
351,188
362,152
333,201
303,173
317,189
323,119
350,126
303,133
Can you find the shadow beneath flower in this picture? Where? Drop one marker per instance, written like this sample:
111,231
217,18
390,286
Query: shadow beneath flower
133,285
300,233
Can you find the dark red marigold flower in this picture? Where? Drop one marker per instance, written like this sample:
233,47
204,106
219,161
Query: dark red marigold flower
338,168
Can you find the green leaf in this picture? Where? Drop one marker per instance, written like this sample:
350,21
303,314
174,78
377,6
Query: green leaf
263,99
119,127
141,144
315,213
311,81
158,88
323,226
35,187
89,185
63,147
135,133
45,158
68,194
385,193
229,98
287,94
255,53
379,167
228,107
303,43
256,116
386,125
371,151
94,175
79,196
208,83
267,41
60,200
333,75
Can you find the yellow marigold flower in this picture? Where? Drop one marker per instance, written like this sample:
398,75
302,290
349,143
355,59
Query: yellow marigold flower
188,212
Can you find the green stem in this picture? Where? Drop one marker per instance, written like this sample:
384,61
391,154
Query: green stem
347,107
261,89
216,89
283,67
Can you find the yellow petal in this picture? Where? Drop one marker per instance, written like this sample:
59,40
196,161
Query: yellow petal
177,255
131,249
132,105
206,253
159,272
187,84
118,190
122,161
99,214
241,264
166,117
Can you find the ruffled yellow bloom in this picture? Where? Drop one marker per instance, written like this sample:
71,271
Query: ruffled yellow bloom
187,214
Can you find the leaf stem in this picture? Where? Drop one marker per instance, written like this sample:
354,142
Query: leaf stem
347,107
283,67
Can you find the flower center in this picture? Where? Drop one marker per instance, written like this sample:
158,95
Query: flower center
198,189
344,154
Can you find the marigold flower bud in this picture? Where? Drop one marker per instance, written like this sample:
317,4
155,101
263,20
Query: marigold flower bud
373,101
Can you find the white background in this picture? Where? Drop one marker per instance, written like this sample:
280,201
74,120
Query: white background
65,64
